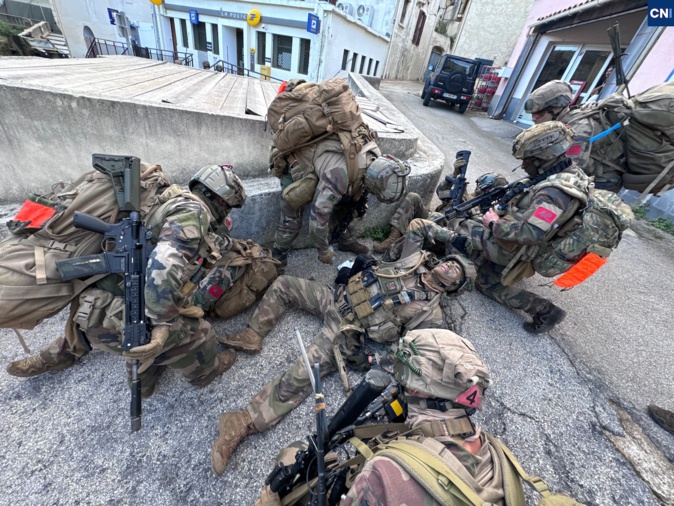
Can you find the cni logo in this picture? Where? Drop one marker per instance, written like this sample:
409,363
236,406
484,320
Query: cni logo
660,12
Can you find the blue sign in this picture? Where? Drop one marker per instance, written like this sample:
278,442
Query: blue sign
194,17
660,12
111,15
313,23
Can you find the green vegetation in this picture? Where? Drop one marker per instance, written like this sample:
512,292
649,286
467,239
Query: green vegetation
7,29
441,26
664,224
379,233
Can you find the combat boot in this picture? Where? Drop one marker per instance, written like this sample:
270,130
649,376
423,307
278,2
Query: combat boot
36,365
545,319
353,247
380,247
233,427
247,341
662,417
280,254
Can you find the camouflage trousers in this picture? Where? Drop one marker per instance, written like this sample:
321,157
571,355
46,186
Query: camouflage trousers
412,207
489,283
190,348
287,391
290,224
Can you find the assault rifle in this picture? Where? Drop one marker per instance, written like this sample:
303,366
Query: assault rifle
348,209
126,249
501,195
457,184
284,478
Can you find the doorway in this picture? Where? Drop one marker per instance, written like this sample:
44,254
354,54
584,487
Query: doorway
89,39
240,62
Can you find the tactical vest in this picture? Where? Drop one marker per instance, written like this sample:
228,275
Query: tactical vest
373,294
577,186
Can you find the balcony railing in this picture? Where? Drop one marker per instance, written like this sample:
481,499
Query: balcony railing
101,47
231,68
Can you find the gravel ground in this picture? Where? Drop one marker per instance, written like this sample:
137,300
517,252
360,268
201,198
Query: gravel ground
554,399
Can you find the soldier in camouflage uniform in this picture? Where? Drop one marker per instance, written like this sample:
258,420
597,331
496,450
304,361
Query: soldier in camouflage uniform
444,458
334,195
503,246
412,301
412,206
182,225
604,159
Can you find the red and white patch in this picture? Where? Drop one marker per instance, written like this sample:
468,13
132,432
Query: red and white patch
545,214
216,291
470,397
574,150
228,222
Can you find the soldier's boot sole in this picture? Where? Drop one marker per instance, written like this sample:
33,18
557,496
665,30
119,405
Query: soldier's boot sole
662,417
555,317
35,366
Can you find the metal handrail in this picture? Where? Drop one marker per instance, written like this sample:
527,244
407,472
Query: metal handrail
232,68
17,20
112,47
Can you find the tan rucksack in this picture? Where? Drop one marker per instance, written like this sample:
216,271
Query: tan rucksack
31,288
259,271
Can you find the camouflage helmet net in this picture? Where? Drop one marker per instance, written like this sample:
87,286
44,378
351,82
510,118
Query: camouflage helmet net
488,181
441,364
221,180
545,141
386,178
555,94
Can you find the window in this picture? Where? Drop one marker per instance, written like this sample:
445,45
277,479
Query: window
418,30
369,67
183,29
261,47
403,14
354,58
305,46
345,59
199,34
215,39
282,52
457,65
462,9
362,64
376,68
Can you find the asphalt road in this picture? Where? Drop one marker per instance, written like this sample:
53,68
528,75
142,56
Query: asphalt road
567,404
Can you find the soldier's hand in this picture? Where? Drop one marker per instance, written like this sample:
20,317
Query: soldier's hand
268,498
326,256
459,163
148,352
191,312
489,217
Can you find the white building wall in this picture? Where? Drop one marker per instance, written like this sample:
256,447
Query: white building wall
74,15
490,29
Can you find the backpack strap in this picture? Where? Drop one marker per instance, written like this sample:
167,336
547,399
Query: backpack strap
430,471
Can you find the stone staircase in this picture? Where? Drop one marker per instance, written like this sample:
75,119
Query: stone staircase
59,41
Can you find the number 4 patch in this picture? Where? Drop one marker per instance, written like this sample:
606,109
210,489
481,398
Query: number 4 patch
470,397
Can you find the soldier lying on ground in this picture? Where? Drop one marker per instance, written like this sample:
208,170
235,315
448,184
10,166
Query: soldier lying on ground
444,458
183,226
385,300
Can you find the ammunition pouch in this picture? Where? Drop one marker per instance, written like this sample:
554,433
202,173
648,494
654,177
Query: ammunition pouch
300,193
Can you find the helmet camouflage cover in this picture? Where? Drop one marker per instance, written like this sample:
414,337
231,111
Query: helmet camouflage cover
488,181
221,180
545,141
386,178
555,94
441,364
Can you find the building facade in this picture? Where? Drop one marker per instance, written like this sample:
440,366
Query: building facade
283,39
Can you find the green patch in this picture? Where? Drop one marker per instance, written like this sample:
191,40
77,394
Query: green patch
377,234
664,224
6,29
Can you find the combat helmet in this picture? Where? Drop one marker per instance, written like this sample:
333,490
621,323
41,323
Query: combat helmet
554,94
442,365
219,185
386,178
489,181
546,141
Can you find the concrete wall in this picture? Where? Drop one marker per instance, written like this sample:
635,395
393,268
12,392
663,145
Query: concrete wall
491,29
74,15
405,60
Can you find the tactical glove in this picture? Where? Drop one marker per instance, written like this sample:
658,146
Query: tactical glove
459,163
191,312
148,352
326,256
